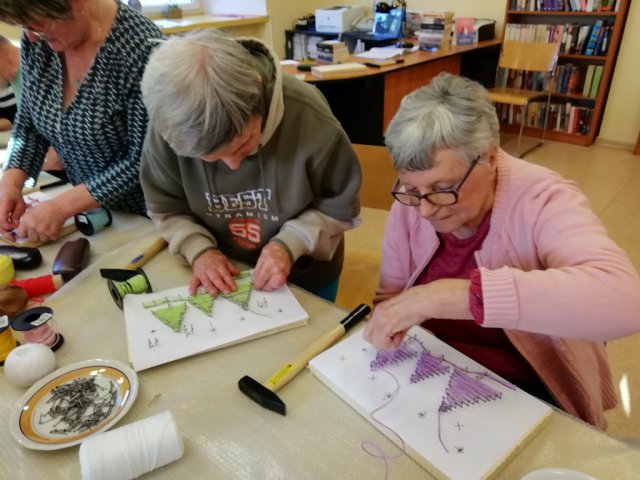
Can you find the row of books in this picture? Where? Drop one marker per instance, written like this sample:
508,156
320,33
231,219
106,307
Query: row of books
580,39
331,51
567,79
563,117
564,5
572,79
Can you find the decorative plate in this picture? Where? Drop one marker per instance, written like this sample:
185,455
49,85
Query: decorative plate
557,474
72,403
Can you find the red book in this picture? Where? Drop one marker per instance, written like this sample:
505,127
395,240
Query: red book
574,80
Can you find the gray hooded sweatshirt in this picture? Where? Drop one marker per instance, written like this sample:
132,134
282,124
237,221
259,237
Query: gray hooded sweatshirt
299,188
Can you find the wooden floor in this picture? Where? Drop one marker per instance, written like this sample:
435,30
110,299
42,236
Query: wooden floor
610,177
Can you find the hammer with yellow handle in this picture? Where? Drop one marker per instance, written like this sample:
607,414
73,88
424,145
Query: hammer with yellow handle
264,394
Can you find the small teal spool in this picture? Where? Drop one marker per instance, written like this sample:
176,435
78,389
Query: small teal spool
93,221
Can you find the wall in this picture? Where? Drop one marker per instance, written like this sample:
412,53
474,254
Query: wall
282,14
621,121
220,7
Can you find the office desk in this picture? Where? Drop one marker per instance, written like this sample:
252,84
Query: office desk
365,102
226,435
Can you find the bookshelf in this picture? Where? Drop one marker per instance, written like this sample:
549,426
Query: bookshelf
577,109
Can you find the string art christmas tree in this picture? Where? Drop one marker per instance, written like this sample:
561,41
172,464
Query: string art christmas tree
242,294
171,316
463,389
175,310
203,302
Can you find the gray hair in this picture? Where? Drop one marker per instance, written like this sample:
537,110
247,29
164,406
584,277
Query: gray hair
22,12
450,113
200,90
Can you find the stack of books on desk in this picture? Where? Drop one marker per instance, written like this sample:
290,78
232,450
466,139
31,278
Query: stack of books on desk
332,51
436,30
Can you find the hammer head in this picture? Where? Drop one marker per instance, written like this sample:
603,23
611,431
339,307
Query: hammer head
261,395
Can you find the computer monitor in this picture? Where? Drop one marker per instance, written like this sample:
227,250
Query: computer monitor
387,25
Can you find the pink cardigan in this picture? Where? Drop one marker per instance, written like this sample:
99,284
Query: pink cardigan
551,277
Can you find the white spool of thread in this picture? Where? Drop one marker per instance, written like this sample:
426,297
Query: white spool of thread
29,363
133,450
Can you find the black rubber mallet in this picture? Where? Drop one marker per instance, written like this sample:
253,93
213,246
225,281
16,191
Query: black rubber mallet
264,394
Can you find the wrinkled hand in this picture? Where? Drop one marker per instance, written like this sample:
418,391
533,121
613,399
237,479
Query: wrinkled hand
446,298
42,223
391,319
273,267
214,272
12,207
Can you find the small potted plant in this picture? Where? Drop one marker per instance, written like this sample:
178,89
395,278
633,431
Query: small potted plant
172,10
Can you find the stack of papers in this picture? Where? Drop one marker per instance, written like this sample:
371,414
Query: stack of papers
382,53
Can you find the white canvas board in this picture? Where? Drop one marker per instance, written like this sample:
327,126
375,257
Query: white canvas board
151,342
457,419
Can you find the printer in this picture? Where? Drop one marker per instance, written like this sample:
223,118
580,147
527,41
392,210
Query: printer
484,28
337,19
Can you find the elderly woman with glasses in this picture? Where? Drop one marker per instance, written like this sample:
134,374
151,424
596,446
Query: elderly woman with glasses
502,259
81,66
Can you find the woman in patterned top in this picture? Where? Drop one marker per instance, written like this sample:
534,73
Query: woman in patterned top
82,61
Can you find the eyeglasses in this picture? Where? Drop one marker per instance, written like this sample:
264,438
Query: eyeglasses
440,198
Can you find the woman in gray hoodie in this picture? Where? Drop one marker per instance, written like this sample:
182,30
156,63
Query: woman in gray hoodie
243,162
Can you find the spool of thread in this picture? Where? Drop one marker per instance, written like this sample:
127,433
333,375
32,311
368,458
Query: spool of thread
7,270
138,283
133,450
93,221
36,325
28,363
39,285
7,342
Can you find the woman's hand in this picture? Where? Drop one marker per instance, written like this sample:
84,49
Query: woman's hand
12,204
273,267
12,207
214,272
42,223
447,298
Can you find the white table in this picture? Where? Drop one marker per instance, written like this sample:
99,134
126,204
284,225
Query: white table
226,434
